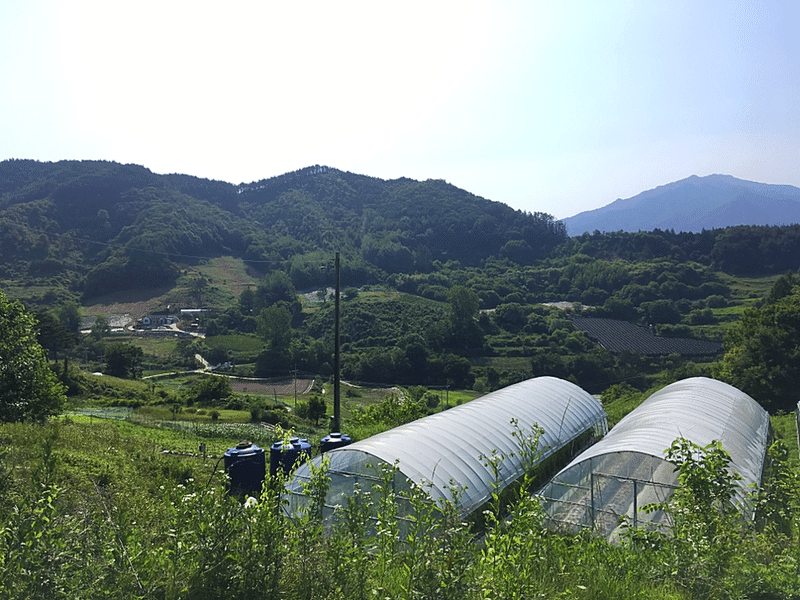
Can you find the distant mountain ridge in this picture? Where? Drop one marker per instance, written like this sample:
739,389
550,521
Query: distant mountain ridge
694,204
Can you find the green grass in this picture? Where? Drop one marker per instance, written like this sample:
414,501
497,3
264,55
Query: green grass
457,397
194,414
133,521
746,292
181,436
748,288
351,398
228,273
618,408
151,439
509,364
785,428
153,345
244,347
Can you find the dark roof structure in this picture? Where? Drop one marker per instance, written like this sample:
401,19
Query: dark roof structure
622,336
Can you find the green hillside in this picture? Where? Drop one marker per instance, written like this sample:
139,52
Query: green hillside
92,228
440,288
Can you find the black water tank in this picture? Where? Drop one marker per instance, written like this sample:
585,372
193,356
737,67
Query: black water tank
245,465
285,457
333,441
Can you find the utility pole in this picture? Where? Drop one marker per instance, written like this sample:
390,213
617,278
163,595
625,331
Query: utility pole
337,414
295,388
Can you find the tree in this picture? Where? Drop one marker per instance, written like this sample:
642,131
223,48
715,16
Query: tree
349,293
511,316
662,311
464,304
316,408
275,287
123,360
70,316
456,370
198,286
782,287
101,328
275,326
415,352
52,334
29,390
431,399
706,531
212,391
762,355
518,251
247,301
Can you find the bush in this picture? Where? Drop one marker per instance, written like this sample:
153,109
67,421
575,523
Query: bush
716,301
276,417
210,390
431,399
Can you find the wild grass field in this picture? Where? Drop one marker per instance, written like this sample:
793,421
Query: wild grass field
95,508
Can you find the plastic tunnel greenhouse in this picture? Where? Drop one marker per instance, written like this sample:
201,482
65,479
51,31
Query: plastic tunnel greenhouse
627,469
442,452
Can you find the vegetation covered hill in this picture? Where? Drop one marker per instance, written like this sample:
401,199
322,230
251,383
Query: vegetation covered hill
441,288
84,229
91,228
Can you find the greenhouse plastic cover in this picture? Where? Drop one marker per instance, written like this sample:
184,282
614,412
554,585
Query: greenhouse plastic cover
699,409
447,450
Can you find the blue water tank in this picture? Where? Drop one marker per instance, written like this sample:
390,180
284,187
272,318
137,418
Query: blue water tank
333,441
297,450
246,466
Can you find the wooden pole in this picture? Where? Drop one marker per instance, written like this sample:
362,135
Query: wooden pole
337,415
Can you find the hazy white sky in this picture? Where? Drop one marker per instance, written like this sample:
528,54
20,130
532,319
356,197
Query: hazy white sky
555,106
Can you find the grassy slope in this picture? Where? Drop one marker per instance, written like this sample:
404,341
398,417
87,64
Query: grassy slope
226,277
745,292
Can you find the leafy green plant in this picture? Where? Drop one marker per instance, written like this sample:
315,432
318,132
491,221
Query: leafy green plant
514,524
700,548
28,388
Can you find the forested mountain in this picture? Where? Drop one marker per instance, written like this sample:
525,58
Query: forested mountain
77,229
441,282
695,204
94,227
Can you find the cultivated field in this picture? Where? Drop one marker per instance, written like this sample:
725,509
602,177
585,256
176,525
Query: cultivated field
284,387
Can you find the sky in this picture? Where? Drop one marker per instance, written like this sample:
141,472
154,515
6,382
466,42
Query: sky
548,106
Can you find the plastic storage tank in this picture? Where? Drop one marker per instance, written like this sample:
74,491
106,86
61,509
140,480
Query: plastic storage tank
245,464
333,441
297,450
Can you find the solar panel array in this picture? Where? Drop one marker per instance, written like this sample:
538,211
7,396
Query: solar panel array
622,336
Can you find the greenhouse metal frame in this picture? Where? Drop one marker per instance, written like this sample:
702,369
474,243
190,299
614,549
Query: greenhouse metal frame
446,454
627,469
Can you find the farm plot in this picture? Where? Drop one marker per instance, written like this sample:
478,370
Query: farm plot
282,387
